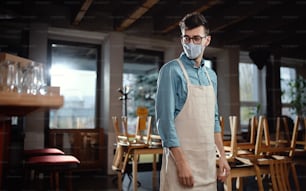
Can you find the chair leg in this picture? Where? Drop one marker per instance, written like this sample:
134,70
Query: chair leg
259,179
56,174
295,178
51,180
69,180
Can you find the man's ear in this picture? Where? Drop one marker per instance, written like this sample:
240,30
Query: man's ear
207,42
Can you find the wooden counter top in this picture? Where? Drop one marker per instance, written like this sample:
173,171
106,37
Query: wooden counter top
14,104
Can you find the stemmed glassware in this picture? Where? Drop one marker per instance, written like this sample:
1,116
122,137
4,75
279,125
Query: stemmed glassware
29,79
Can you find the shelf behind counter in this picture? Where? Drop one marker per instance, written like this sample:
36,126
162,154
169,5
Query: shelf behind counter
15,104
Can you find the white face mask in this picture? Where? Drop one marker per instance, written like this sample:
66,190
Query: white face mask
191,50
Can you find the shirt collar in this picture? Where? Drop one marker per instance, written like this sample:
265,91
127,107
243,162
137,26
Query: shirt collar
188,61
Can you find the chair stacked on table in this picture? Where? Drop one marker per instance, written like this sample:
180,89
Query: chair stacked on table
126,143
264,156
49,162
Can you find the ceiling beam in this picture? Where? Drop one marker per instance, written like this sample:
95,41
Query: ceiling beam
141,10
208,5
85,6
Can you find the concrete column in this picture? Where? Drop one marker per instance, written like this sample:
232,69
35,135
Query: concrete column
34,122
228,83
112,70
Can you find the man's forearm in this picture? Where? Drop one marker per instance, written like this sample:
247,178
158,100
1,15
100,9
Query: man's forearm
219,144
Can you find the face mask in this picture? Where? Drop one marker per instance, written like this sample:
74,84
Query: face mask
191,50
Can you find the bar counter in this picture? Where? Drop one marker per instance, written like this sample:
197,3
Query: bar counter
14,104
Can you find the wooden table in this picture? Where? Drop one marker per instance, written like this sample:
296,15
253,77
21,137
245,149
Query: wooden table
139,151
241,171
236,172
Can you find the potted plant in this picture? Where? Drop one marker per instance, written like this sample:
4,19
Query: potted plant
297,94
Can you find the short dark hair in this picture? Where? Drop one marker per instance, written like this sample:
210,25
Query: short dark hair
193,20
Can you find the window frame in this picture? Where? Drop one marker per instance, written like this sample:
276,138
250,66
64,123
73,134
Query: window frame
74,43
261,87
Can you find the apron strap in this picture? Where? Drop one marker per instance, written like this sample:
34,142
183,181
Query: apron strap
186,75
210,83
168,154
183,69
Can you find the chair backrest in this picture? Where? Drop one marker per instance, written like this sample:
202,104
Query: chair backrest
262,129
282,134
279,174
253,129
264,147
283,138
121,131
122,134
301,140
233,121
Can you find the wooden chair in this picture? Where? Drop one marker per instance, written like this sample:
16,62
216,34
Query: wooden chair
125,143
279,173
240,148
231,150
239,168
282,132
266,154
303,140
300,149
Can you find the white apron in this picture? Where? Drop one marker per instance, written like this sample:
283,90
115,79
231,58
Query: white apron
195,129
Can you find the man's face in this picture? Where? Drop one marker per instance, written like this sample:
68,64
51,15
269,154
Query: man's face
196,35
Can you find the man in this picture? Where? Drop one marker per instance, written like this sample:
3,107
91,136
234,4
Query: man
187,115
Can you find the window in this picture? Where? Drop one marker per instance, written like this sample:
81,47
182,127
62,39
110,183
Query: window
251,89
140,78
287,74
74,69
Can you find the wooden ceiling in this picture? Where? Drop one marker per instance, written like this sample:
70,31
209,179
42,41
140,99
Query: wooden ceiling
276,26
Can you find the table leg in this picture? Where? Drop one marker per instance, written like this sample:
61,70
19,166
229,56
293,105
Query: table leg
239,183
154,172
228,183
135,169
119,176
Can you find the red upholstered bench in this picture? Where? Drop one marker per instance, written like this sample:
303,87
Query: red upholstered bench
53,164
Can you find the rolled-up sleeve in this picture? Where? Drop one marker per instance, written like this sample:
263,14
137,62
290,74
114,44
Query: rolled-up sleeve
213,77
165,106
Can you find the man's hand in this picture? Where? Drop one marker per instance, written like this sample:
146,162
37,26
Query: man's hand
223,170
182,167
184,174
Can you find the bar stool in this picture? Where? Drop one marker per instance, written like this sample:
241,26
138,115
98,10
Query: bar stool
30,173
53,165
40,152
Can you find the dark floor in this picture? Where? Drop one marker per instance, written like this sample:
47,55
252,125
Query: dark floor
96,181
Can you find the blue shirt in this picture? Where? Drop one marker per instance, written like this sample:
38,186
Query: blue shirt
172,93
